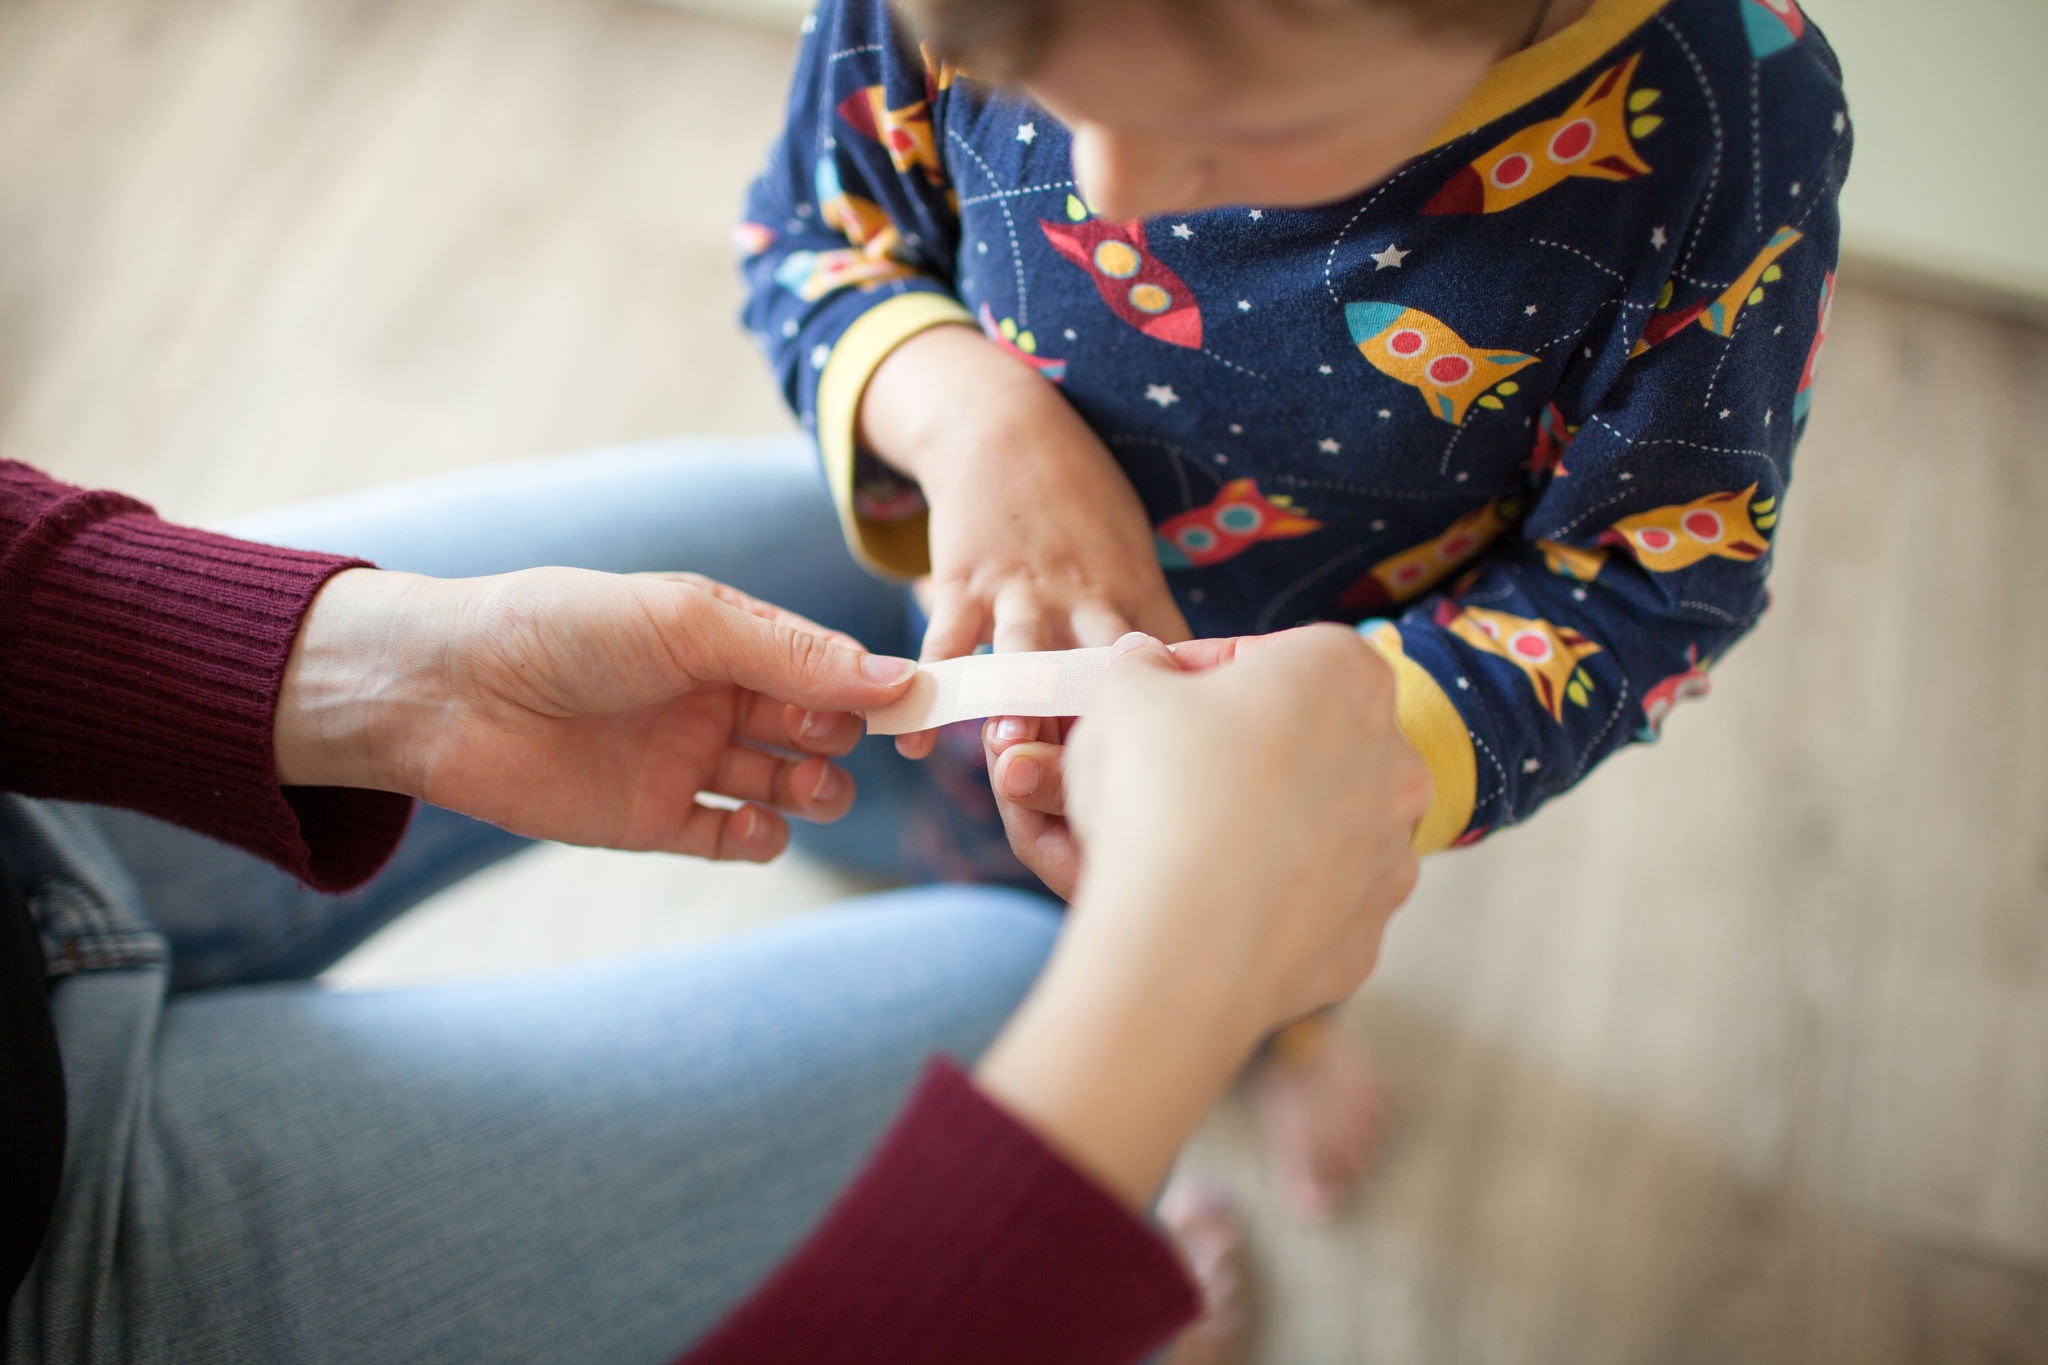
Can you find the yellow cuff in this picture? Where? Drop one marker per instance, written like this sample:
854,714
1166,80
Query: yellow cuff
895,549
1432,724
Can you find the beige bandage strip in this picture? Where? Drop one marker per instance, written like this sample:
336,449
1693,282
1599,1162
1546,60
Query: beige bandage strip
1056,682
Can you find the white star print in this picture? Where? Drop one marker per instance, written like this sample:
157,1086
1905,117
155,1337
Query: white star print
1390,259
1463,475
1779,328
1530,765
1767,416
1464,684
1795,189
789,327
1244,305
1530,310
1026,133
1162,394
982,247
1386,413
1257,214
1657,237
1841,120
1237,429
1725,412
1324,369
810,23
1328,446
1379,526
1069,334
1221,458
1625,477
1183,231
819,355
1578,594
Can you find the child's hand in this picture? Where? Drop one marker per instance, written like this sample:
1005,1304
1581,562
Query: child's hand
1037,539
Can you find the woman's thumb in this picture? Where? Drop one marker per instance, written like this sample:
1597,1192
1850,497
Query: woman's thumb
792,665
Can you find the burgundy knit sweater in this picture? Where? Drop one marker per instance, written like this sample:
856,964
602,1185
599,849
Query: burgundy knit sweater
140,666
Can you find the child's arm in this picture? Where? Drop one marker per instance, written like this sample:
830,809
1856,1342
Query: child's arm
1644,554
1034,538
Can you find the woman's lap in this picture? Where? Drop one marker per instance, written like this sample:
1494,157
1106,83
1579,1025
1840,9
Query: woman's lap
585,1163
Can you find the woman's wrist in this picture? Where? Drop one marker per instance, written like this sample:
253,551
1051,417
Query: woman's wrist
353,684
1123,1045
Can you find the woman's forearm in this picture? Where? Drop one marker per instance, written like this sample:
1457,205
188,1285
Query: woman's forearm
1114,1069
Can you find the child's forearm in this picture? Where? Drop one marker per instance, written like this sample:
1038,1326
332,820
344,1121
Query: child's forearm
948,390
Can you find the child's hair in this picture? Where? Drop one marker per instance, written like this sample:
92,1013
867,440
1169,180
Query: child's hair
1005,40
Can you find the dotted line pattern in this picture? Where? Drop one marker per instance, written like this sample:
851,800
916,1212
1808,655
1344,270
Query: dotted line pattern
1576,521
1586,758
1560,246
1231,364
1177,455
1333,486
1272,609
1720,143
855,52
1330,262
1712,610
1017,193
1756,143
1499,791
1009,224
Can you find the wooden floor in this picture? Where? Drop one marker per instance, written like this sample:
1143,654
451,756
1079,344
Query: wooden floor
1738,1055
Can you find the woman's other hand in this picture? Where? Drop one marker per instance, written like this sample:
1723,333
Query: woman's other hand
585,707
1240,837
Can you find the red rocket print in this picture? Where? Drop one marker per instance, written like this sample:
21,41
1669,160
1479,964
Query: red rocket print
1132,281
1802,400
1659,700
1553,437
1239,517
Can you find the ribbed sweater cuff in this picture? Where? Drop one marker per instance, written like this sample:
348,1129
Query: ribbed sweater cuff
964,1238
140,666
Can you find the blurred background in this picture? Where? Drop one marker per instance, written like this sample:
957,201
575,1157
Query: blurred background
1741,1054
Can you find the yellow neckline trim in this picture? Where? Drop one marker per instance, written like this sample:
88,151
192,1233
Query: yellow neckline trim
1515,80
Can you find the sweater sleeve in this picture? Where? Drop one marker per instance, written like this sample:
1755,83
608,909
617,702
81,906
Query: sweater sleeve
140,666
847,251
1644,548
964,1238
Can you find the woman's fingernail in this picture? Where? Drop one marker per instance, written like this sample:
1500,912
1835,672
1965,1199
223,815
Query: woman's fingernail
746,825
1013,727
1022,778
827,785
817,725
1136,639
886,669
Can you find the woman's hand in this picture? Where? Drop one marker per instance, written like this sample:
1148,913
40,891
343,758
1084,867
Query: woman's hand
1241,836
579,706
1038,540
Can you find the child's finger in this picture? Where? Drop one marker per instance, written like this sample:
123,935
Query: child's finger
918,744
958,623
1000,732
1022,624
1098,623
1032,775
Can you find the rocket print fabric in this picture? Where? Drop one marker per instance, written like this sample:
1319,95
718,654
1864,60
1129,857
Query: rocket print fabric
1526,408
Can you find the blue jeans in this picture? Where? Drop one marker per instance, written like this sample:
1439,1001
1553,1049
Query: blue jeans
586,1163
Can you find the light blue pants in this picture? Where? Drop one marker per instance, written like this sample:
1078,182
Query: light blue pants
588,1163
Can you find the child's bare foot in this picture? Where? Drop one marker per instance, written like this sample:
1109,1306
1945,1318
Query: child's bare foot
1199,1219
1322,1109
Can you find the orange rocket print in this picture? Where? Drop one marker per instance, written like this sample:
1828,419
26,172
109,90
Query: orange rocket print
1236,519
1667,539
1592,139
811,275
906,133
1547,653
1572,561
861,221
1409,345
1659,700
1802,399
1399,577
1134,283
1719,316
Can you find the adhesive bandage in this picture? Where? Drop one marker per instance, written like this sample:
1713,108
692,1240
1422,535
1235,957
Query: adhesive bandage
1052,683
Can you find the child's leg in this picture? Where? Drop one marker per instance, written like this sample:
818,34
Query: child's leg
1322,1109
